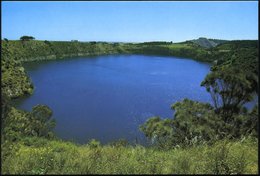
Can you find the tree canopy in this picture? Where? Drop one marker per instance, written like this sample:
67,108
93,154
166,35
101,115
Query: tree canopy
26,38
230,90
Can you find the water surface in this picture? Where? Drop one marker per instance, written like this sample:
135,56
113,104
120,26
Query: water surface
108,97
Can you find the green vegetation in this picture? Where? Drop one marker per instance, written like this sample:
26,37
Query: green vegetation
41,156
15,82
231,86
230,89
208,43
201,138
26,38
17,123
197,123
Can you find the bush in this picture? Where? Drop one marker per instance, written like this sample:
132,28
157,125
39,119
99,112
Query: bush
94,143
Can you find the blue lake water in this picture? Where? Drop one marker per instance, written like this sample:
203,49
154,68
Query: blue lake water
108,97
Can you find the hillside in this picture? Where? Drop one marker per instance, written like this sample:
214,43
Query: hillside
207,43
241,54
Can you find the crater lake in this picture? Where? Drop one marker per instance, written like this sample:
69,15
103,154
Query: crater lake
107,97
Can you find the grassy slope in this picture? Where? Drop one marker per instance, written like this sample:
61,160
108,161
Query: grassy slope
56,157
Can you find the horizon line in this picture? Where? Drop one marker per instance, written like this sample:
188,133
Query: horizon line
129,41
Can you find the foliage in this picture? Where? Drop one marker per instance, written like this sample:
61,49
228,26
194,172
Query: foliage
240,54
193,123
155,43
232,83
47,42
208,43
197,140
197,123
26,38
94,143
119,143
159,131
230,90
16,83
18,123
5,106
249,123
42,115
58,157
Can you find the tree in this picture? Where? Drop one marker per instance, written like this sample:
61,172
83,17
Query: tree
193,122
5,107
159,131
18,123
250,122
26,38
230,90
47,42
41,115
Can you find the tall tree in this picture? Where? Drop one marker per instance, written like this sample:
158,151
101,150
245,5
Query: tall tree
230,90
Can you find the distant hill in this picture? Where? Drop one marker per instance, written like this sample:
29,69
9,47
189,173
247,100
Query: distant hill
207,43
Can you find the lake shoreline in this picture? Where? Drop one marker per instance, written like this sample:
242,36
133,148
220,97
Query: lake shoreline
127,80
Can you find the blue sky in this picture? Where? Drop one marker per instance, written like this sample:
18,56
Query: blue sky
130,21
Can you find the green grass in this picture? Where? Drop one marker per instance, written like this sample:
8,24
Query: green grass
57,157
178,45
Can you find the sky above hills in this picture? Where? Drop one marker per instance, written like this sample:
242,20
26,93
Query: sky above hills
130,21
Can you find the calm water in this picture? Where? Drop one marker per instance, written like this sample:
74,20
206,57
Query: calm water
108,97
